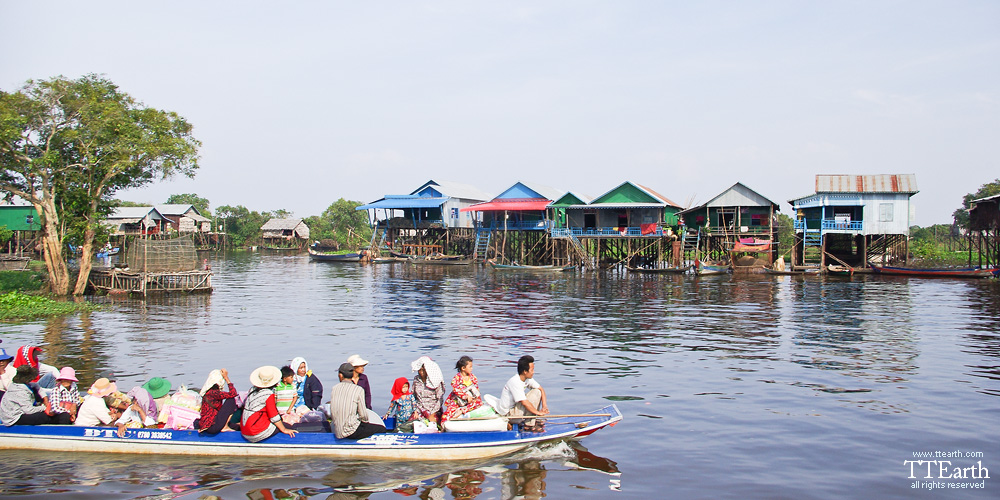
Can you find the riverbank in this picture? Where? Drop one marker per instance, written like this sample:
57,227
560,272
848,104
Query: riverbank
16,305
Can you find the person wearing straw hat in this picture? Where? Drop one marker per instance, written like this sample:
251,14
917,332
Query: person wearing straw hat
260,413
95,409
347,407
18,404
360,378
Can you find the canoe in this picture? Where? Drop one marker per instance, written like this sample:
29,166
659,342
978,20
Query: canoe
706,270
334,257
662,270
836,270
512,267
390,446
441,261
782,273
387,260
968,272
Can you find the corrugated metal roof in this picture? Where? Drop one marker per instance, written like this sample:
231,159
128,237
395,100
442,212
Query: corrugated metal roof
882,183
455,190
401,202
134,213
508,204
281,224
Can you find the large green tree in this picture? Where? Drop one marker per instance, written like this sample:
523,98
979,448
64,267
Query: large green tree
200,204
67,146
340,222
961,215
241,224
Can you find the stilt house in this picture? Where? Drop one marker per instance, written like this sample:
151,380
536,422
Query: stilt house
185,218
738,219
854,220
136,221
984,231
284,234
513,222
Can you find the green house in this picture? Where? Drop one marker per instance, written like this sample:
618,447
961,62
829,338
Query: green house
20,218
629,210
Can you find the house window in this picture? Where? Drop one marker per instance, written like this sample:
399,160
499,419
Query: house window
454,213
758,220
885,212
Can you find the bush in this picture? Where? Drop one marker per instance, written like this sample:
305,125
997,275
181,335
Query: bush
16,305
22,281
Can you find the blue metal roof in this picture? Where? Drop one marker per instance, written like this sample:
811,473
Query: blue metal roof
399,202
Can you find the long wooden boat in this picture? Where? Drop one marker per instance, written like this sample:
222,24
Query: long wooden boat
662,270
514,267
390,446
387,260
775,272
451,260
968,272
334,257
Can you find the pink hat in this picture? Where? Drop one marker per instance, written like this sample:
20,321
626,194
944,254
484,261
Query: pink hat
67,373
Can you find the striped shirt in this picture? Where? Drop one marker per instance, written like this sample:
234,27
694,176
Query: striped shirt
347,407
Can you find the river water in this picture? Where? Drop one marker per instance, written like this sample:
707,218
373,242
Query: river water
731,387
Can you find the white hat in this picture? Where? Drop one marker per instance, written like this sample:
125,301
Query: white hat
356,360
265,376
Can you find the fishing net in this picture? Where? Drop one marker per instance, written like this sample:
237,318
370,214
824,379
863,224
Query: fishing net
173,255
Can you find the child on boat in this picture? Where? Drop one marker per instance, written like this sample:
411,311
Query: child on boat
284,393
403,406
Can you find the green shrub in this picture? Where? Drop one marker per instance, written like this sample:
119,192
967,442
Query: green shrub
22,281
16,305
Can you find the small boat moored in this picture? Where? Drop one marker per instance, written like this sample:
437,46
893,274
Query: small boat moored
836,270
334,256
967,272
662,270
517,267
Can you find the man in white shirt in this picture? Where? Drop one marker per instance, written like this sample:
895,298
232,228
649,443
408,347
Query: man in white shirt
523,396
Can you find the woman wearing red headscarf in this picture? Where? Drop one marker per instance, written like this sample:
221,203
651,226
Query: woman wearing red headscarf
28,355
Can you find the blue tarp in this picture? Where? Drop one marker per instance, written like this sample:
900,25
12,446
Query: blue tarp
400,202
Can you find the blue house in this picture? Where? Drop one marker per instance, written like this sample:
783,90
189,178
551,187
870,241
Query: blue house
855,219
433,204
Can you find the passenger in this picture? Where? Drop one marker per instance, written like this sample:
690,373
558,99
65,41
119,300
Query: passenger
134,415
284,393
428,388
147,402
515,402
347,406
402,407
65,398
7,371
360,378
260,415
28,355
216,406
307,385
158,388
465,395
18,404
95,410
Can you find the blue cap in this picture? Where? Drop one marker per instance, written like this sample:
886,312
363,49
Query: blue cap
4,355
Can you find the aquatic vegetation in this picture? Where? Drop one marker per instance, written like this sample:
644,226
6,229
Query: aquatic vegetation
21,281
16,305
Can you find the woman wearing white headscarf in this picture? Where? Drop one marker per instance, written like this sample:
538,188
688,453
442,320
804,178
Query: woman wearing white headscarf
428,388
307,385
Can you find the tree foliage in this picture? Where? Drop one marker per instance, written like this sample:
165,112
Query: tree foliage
200,204
67,146
961,215
341,223
242,224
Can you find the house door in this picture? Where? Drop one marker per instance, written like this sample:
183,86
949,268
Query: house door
590,220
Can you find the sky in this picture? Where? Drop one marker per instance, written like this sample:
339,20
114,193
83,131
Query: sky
299,104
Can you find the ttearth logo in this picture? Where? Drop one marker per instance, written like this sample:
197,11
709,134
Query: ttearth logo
947,470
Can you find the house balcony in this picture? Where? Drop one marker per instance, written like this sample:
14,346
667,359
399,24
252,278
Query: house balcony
602,232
